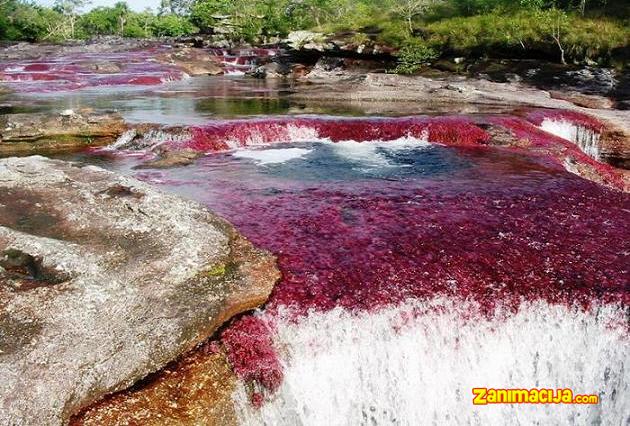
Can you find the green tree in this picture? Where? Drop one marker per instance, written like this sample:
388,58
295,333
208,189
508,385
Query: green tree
70,10
555,25
122,11
172,26
409,9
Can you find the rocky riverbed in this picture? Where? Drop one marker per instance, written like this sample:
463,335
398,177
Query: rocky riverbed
114,284
105,280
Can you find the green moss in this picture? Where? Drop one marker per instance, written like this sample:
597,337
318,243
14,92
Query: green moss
217,270
221,270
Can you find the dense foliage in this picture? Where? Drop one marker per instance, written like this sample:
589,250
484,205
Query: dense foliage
23,20
423,30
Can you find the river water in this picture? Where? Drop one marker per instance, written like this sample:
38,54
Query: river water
412,271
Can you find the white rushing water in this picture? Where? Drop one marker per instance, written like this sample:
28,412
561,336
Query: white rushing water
271,156
367,155
586,139
371,154
380,369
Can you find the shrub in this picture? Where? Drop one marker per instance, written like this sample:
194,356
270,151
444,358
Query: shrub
413,55
172,26
532,32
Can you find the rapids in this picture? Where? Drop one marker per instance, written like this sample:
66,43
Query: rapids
417,264
420,256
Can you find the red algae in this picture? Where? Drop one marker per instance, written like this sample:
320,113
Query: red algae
561,240
228,134
133,67
77,71
537,116
506,226
558,148
250,350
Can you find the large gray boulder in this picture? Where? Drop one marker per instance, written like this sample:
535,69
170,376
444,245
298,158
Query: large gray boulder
104,280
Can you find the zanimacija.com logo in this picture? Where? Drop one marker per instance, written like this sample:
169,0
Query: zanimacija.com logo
485,396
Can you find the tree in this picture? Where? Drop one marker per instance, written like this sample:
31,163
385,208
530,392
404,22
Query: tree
409,9
176,7
70,10
172,26
555,24
121,10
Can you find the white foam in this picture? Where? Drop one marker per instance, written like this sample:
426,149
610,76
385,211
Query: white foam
586,139
394,367
16,68
292,132
125,139
234,73
271,156
370,154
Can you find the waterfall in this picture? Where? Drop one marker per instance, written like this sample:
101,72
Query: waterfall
417,364
586,139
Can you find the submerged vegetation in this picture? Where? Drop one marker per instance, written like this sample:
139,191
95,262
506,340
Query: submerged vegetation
420,30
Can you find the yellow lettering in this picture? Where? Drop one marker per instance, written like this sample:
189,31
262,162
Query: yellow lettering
558,397
567,396
520,395
542,395
480,396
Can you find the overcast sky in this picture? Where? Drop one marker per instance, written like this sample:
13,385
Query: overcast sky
138,5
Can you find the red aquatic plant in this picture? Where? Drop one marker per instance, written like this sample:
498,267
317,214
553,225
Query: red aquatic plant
537,116
498,226
251,353
563,151
223,135
75,71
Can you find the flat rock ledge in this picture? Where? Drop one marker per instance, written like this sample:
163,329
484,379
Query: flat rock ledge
39,133
103,281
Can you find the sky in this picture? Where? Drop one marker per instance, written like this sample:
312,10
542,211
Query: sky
137,5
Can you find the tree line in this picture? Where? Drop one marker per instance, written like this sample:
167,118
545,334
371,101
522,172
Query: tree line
421,29
22,20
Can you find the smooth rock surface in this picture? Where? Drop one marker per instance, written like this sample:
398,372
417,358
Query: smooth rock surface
195,390
192,61
104,280
34,133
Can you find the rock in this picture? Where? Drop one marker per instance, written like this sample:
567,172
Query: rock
67,113
582,100
105,280
299,71
150,137
328,68
590,62
623,105
105,67
348,44
68,130
330,64
271,70
593,80
195,390
307,40
97,45
513,78
192,61
170,159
